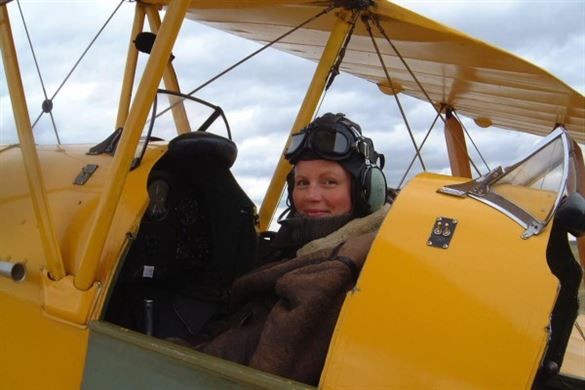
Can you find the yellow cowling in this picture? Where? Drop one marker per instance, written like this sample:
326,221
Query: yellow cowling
473,315
41,327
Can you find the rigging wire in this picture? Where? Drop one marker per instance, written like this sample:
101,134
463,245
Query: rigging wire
472,141
421,146
38,72
81,57
230,68
334,71
379,26
394,92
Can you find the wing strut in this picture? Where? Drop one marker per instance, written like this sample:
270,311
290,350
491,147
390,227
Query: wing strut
170,80
104,215
51,248
129,71
343,24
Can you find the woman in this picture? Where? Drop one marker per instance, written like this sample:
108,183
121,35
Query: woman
285,311
337,177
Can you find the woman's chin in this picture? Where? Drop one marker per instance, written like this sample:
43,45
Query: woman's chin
317,214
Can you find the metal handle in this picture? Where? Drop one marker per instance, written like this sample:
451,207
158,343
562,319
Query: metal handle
148,316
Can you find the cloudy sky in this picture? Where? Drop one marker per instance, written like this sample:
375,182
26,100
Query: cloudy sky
262,97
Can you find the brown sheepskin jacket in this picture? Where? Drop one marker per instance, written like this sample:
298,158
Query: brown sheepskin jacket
288,309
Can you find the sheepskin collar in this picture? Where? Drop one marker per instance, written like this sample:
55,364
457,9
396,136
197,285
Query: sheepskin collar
354,227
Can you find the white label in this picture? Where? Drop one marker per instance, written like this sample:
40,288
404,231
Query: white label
148,271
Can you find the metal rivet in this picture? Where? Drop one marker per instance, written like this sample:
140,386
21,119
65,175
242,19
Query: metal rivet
429,243
445,246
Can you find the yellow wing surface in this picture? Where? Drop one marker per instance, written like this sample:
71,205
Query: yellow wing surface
480,81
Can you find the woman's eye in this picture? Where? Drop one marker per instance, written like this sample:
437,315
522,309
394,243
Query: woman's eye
330,182
301,183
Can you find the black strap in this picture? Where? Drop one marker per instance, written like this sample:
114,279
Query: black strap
353,269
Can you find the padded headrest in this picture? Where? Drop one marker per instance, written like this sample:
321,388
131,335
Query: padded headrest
204,148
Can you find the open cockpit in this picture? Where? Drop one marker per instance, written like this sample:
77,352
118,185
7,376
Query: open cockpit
197,235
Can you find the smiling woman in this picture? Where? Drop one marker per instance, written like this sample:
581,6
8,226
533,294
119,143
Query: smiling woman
337,192
321,188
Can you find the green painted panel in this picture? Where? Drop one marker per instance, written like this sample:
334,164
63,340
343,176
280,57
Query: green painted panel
122,359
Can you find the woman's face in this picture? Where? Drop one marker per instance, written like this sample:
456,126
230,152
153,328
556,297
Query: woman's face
322,188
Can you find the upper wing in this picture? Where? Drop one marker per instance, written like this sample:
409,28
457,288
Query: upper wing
475,78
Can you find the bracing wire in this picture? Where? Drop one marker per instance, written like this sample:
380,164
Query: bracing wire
38,71
407,171
230,68
80,58
379,26
395,94
88,47
472,141
334,71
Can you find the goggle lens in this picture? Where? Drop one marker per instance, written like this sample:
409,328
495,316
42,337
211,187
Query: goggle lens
328,143
296,141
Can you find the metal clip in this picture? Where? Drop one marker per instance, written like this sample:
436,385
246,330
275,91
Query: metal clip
85,174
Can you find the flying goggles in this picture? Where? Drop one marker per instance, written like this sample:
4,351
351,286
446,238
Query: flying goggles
331,141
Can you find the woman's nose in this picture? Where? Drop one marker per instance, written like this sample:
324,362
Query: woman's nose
313,192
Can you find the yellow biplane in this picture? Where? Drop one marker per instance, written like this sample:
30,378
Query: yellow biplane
98,243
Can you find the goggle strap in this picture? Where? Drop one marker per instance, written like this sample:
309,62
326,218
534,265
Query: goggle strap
382,159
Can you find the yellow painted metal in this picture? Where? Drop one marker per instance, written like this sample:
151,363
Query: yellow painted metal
64,302
171,82
43,317
130,70
456,146
476,79
474,315
306,113
51,250
137,117
37,351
